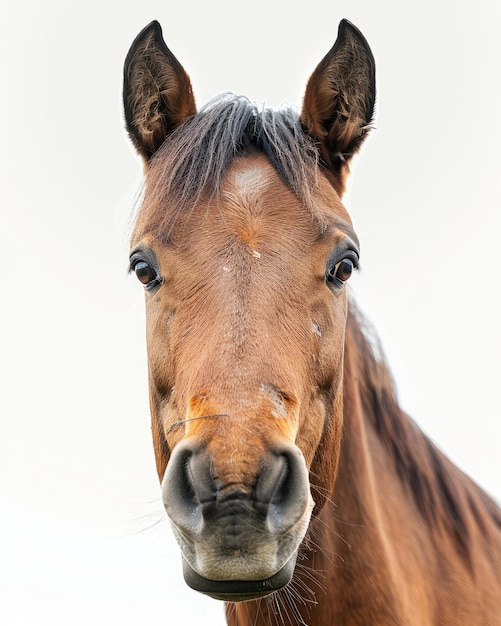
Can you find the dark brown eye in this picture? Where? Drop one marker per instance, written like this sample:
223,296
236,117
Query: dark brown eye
340,272
344,270
144,272
145,266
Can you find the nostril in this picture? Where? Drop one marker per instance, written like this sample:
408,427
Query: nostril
180,497
186,482
270,477
282,495
282,491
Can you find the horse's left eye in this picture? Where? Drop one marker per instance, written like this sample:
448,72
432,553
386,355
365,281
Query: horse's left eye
340,272
344,270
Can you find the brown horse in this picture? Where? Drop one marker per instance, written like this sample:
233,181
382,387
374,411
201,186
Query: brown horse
298,490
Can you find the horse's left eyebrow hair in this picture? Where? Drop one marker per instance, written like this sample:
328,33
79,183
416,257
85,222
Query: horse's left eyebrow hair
346,228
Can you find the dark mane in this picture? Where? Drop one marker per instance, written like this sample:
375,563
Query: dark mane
192,162
447,498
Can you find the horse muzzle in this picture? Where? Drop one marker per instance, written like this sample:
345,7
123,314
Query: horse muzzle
239,521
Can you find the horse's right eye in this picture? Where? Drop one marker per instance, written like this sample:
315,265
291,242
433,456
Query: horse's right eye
144,265
144,272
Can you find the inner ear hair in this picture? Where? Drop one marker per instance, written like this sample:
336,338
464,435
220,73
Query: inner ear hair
157,93
339,101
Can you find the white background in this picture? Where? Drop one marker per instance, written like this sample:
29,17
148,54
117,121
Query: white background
84,537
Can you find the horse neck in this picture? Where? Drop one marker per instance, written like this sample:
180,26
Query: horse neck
399,511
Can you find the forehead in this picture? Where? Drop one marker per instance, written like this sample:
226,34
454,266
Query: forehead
254,192
253,202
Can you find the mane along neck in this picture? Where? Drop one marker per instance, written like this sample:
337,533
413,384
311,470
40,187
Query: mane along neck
447,499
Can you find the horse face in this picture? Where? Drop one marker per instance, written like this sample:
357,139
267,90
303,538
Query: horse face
246,309
245,335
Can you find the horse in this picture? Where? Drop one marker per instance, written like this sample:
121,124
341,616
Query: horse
299,491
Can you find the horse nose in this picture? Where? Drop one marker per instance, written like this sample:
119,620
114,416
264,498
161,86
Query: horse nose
201,492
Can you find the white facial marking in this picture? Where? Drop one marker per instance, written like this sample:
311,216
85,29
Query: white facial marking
277,400
317,329
247,177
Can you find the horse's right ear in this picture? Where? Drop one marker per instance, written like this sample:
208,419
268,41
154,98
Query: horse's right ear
157,92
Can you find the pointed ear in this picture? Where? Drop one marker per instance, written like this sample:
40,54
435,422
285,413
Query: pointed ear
157,92
338,105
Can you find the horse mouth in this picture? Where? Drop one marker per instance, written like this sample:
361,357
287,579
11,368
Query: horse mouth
238,590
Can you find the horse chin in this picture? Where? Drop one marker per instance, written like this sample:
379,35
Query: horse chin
239,590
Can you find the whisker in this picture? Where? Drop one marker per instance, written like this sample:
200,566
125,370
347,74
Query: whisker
194,419
158,522
144,523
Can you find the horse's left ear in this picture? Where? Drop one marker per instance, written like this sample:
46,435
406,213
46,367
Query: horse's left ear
157,92
338,105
